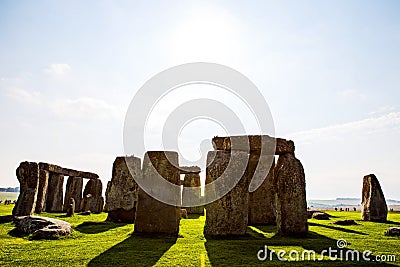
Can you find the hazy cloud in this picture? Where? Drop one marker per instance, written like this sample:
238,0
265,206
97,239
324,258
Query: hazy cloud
351,94
24,96
85,108
387,122
58,69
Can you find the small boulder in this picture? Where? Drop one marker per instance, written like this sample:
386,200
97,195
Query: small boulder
393,231
320,216
345,222
71,207
184,214
42,227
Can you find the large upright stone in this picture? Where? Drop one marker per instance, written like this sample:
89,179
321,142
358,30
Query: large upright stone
192,180
73,190
290,196
28,177
122,190
261,201
42,191
55,189
374,207
228,215
93,188
153,216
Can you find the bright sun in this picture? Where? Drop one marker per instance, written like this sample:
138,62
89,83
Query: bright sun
205,35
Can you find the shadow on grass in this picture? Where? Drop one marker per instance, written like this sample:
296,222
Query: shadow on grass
389,222
337,228
136,250
15,233
238,251
194,216
90,227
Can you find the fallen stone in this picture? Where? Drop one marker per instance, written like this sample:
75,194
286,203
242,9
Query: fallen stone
345,222
320,216
42,227
28,177
374,207
122,190
290,196
393,231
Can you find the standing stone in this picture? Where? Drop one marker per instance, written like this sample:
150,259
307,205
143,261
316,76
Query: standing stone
228,215
192,180
374,207
54,201
70,207
261,201
42,191
73,190
290,196
122,190
28,177
153,216
95,202
86,203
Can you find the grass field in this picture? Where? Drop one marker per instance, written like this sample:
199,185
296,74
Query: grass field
98,243
8,195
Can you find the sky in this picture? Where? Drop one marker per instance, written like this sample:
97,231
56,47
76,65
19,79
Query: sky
329,71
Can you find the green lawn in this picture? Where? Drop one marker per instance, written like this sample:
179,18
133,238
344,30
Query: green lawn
110,244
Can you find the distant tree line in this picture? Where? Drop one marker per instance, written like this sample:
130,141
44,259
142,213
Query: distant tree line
9,189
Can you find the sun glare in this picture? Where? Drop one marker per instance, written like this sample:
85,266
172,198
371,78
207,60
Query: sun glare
205,35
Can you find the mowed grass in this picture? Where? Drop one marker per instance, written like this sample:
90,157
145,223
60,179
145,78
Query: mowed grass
95,242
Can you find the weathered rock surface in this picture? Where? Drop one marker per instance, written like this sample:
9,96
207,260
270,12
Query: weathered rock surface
86,203
42,191
184,214
242,142
345,222
94,202
122,190
261,201
28,177
290,196
153,216
73,190
393,231
42,227
228,215
55,189
71,207
191,181
320,216
67,172
374,207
